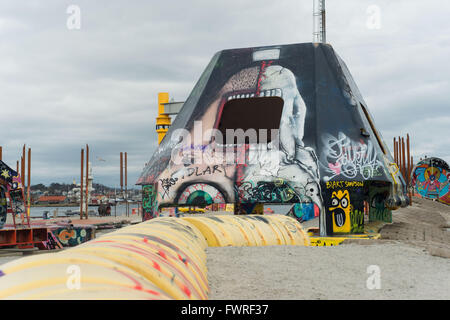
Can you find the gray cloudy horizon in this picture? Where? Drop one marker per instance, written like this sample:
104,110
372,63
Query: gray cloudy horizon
62,88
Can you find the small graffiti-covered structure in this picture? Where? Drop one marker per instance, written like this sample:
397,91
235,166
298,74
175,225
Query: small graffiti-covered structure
277,124
431,179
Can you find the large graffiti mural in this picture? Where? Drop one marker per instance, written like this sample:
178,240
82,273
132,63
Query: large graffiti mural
431,179
271,125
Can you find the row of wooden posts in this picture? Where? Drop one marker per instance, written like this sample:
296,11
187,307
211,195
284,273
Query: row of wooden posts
403,157
26,179
84,211
405,162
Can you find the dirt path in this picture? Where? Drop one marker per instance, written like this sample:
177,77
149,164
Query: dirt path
424,224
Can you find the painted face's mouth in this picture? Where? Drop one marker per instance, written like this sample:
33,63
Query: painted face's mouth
245,94
339,217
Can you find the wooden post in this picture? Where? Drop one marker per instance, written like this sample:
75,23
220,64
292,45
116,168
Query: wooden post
121,173
126,193
29,181
395,150
81,185
22,172
408,155
87,181
396,153
17,167
412,164
399,143
403,159
1,151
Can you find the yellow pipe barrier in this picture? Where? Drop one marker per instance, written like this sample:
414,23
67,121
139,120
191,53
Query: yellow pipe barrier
163,258
250,230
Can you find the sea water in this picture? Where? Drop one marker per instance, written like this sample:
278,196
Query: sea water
119,210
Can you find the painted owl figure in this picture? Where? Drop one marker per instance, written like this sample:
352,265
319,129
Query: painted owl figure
340,209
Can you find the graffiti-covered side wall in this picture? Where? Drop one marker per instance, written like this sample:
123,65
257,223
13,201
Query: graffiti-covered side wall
278,124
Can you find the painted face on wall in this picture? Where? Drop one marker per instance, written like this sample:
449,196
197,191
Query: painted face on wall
285,157
432,173
340,209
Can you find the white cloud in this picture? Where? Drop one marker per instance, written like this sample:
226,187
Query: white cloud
61,89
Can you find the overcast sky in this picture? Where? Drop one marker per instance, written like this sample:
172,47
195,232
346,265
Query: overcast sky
61,88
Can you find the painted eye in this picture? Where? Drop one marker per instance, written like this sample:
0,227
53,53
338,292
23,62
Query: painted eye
344,203
334,202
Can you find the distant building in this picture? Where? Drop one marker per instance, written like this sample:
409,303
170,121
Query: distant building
52,199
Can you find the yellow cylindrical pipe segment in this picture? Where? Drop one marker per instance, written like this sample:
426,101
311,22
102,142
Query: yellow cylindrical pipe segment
163,258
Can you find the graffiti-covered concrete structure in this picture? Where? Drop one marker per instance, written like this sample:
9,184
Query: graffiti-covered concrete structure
431,179
277,124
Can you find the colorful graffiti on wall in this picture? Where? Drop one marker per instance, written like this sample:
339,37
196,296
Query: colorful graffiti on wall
304,96
149,205
304,211
431,179
349,159
73,236
3,206
378,211
345,206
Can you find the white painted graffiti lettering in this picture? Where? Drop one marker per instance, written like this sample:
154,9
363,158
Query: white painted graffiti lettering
347,158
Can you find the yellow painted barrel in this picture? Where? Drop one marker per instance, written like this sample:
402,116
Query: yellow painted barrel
165,249
60,272
163,258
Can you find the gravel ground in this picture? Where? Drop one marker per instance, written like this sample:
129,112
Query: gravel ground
292,272
413,263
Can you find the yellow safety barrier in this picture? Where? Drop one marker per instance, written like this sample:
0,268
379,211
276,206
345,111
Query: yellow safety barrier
163,258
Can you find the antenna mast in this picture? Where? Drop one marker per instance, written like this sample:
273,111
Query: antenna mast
319,33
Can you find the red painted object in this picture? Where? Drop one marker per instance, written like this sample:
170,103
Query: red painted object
23,238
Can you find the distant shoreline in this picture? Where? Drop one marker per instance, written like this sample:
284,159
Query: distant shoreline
75,204
60,205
